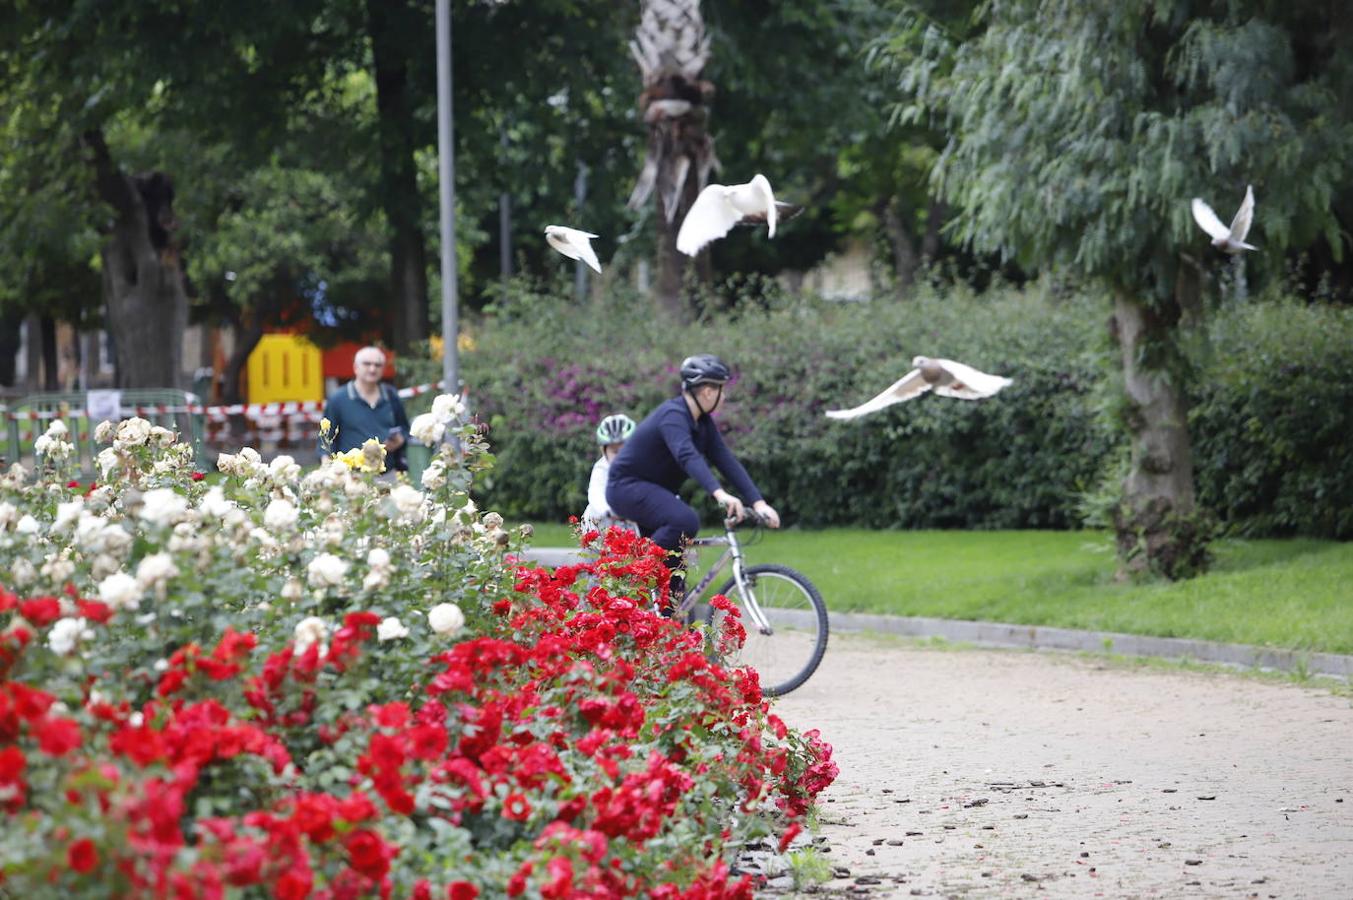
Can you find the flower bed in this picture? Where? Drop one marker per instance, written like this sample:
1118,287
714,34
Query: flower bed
334,686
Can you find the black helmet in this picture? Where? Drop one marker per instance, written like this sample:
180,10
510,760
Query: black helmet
704,368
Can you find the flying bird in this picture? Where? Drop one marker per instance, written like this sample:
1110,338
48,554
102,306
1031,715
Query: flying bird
721,206
573,243
1228,240
946,377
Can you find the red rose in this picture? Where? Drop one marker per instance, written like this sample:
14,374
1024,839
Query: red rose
517,808
461,890
12,764
198,476
41,610
57,736
81,856
94,610
368,854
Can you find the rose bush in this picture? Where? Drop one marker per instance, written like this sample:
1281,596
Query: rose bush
325,685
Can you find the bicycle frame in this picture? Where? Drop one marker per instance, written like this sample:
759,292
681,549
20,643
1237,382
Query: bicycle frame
734,555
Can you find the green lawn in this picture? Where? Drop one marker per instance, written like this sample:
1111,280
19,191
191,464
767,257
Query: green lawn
1283,593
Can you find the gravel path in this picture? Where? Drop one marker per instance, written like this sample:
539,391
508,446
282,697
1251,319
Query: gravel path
977,773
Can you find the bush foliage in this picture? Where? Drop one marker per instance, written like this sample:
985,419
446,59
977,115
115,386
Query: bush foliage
1272,396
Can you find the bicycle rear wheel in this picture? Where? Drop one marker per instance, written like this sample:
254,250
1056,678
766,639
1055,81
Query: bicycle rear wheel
791,652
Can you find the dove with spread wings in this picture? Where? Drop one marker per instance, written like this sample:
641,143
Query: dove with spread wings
944,376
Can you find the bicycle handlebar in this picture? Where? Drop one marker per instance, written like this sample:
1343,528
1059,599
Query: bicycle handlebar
749,517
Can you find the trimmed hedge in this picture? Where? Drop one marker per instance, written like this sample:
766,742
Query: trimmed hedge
1272,419
544,372
1272,407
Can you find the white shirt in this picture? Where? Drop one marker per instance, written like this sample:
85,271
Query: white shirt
598,509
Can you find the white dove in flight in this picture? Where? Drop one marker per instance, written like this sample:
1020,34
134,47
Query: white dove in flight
573,243
1228,240
721,206
946,377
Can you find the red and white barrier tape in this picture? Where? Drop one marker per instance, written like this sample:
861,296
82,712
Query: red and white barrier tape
313,408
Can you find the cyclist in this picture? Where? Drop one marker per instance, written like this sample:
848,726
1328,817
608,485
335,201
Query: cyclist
677,440
612,433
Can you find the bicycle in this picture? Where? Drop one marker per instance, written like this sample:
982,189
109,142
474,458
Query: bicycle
782,612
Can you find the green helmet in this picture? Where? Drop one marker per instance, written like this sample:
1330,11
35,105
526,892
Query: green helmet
615,429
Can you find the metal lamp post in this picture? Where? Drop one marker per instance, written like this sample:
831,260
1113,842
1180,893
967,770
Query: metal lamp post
446,169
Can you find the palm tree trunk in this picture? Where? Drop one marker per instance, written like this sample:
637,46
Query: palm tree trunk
671,50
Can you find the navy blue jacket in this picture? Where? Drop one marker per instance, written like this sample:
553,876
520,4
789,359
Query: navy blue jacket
671,444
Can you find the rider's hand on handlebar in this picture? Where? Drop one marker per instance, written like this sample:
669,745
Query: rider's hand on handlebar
767,513
732,505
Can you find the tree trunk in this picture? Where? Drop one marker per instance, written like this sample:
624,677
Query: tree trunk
904,252
32,352
1158,525
143,278
10,339
51,374
387,20
934,220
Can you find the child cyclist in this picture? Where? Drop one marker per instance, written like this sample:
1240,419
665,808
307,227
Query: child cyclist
612,433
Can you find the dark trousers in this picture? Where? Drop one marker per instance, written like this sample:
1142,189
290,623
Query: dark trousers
661,515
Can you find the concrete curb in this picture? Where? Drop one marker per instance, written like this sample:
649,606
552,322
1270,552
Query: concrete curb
1037,637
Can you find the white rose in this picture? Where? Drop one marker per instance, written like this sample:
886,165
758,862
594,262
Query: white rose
49,447
249,458
115,539
292,589
57,429
378,558
65,634
408,501
161,436
281,515
9,513
376,579
68,513
57,568
284,468
427,429
446,619
391,629
310,630
23,573
120,591
162,506
103,432
326,570
227,462
448,406
26,525
214,504
434,476
131,432
156,568
108,461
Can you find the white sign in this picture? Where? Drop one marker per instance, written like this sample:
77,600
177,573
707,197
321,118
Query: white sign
104,406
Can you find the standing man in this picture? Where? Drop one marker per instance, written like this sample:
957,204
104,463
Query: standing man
364,408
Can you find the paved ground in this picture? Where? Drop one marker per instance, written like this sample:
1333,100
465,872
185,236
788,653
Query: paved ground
1003,773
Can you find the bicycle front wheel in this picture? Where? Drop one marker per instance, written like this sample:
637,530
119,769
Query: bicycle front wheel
789,652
